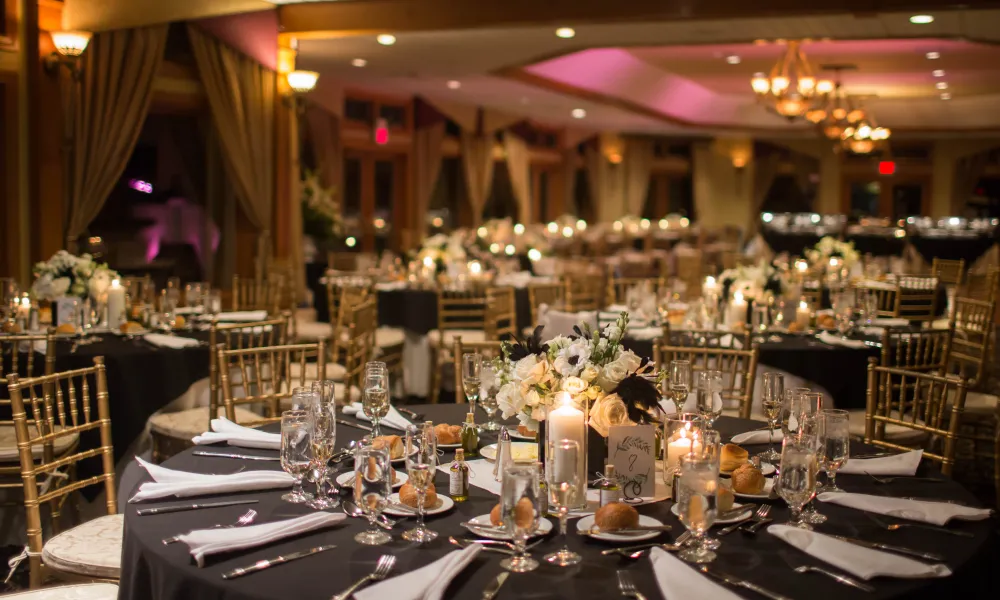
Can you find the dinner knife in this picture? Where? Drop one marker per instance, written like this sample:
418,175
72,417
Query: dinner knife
641,529
353,424
491,590
890,548
160,510
742,583
267,563
239,456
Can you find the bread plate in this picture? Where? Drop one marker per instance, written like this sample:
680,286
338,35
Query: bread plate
443,504
586,524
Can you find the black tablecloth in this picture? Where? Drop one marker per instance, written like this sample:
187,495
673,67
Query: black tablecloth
792,243
952,248
878,245
152,571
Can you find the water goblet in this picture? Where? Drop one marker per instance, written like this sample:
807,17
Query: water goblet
472,367
520,511
772,397
563,479
372,488
375,403
797,479
759,322
295,452
323,439
421,462
709,396
834,445
697,503
791,410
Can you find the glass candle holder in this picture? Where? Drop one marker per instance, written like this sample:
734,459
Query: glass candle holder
680,432
567,420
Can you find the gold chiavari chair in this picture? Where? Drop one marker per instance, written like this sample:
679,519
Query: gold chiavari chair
948,272
706,338
550,294
917,297
389,345
171,431
980,285
501,314
886,297
72,403
996,455
258,294
928,417
342,261
690,268
357,347
738,367
341,300
265,378
619,288
460,312
489,350
582,292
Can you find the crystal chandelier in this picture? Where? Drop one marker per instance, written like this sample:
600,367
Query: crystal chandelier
835,113
790,87
865,136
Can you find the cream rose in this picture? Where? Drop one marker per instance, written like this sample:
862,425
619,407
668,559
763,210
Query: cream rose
589,373
523,367
574,385
510,401
607,412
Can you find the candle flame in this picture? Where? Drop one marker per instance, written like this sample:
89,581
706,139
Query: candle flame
803,305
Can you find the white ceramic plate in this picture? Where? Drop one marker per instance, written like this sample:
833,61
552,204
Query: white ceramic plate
767,469
768,484
347,479
514,433
544,526
521,451
402,459
740,517
588,522
444,503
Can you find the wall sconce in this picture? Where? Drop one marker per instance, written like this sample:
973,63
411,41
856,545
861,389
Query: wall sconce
300,83
739,162
70,45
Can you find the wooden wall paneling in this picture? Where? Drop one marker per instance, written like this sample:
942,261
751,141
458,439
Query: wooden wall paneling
47,211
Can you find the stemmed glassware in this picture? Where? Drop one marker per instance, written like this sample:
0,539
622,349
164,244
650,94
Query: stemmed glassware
472,369
488,396
834,445
760,322
295,452
772,397
791,410
376,394
421,463
680,382
697,503
372,488
323,439
709,392
562,479
519,509
326,390
808,411
797,479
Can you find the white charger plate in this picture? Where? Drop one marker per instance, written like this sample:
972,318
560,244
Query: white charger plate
544,527
444,503
347,479
740,517
587,523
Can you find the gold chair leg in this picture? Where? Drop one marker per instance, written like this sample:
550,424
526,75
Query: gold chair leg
435,376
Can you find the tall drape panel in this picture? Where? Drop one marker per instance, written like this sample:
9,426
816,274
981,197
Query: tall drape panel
328,148
606,186
477,162
764,172
968,172
296,252
427,157
494,120
241,94
569,158
519,167
638,168
118,72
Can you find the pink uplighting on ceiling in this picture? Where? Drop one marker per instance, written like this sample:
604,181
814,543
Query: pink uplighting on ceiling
254,34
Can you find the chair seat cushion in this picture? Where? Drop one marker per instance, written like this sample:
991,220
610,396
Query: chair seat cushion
185,424
978,403
467,335
389,336
313,332
8,444
83,591
893,433
334,371
93,548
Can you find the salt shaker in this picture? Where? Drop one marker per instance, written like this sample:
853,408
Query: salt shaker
504,458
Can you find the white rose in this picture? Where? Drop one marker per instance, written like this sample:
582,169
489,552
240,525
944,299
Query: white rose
607,412
574,385
589,373
60,286
509,400
99,283
523,367
611,375
531,397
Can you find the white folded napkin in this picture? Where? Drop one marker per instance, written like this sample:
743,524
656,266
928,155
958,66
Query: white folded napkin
480,475
168,482
676,579
203,542
389,286
758,437
242,316
878,285
936,513
859,561
890,322
874,331
224,430
558,322
394,419
189,310
426,583
170,341
834,340
897,464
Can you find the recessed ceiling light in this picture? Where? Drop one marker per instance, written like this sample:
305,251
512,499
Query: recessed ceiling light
921,19
938,72
386,39
454,84
933,55
733,59
579,113
359,62
945,96
941,85
565,32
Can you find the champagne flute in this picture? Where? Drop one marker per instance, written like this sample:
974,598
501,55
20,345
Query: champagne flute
519,509
791,411
562,480
797,479
295,452
834,445
772,396
697,503
323,439
708,395
488,396
372,488
472,367
376,396
304,398
680,382
421,462
326,390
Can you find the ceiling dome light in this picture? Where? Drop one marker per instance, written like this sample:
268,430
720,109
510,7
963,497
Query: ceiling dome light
565,32
359,62
71,43
302,81
941,85
386,39
733,59
922,19
938,72
578,113
454,84
945,96
933,55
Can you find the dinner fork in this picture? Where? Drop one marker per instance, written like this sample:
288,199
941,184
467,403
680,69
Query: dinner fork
891,479
759,514
385,564
627,587
759,520
248,517
839,578
898,526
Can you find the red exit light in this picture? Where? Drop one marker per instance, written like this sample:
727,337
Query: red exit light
381,132
887,167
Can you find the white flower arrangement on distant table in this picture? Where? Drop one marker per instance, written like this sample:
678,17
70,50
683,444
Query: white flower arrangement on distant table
753,281
830,247
68,275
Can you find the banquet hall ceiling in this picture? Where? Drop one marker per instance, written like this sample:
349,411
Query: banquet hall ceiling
673,77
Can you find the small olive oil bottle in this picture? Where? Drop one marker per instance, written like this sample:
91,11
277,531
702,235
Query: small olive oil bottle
458,482
470,436
610,491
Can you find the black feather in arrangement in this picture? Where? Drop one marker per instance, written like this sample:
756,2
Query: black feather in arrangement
640,397
531,345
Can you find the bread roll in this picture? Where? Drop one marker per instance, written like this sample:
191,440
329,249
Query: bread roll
725,498
66,328
616,515
495,518
179,321
748,480
131,327
732,458
795,327
448,434
526,432
408,496
393,442
524,513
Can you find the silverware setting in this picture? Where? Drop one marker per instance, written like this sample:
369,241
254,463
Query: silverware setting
410,413
162,510
354,425
494,587
385,564
638,550
624,531
905,478
248,518
890,548
897,526
758,520
873,455
627,587
504,547
353,510
236,456
838,577
260,565
743,583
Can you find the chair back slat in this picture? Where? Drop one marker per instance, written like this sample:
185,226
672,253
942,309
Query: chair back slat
238,336
971,327
620,287
583,292
550,294
738,367
462,309
360,346
266,377
949,272
501,314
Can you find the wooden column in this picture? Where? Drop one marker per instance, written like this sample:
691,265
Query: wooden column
557,193
367,202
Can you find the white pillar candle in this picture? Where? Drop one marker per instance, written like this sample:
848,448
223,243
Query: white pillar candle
802,315
116,304
737,310
567,422
684,444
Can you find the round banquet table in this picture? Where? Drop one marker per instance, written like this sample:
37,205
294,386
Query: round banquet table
793,243
416,310
877,245
153,571
952,248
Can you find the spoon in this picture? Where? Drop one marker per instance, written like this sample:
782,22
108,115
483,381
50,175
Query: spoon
353,510
346,453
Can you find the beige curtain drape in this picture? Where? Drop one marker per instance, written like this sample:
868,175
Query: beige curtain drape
118,72
606,186
638,168
968,171
241,94
764,172
427,157
519,167
328,148
477,163
569,158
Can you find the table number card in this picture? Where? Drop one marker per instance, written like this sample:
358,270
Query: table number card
631,451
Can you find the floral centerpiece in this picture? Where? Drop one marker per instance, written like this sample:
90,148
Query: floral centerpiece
753,281
68,275
321,218
441,249
830,247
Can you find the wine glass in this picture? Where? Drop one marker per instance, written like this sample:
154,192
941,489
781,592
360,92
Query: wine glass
709,397
519,509
759,322
295,452
697,503
488,396
680,382
772,396
421,462
563,479
834,445
708,445
376,397
173,291
304,398
323,439
326,390
472,367
372,488
797,479
791,411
